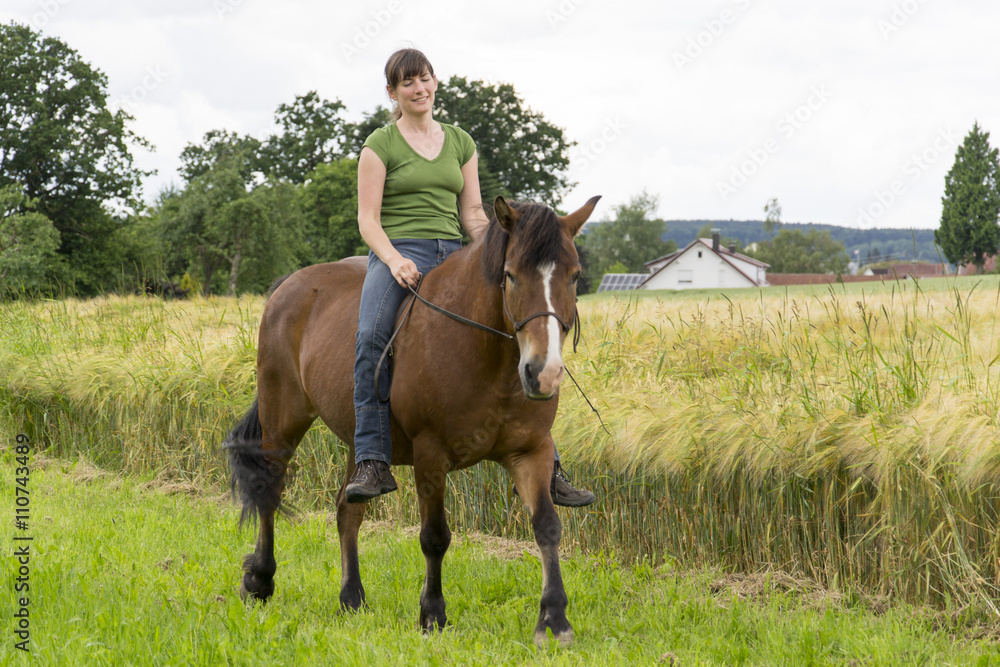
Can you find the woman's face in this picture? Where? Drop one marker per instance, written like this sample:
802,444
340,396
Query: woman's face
416,95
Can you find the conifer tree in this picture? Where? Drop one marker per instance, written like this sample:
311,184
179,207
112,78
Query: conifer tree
969,231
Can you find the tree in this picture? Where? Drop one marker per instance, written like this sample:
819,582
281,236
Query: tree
793,251
28,244
314,134
66,151
220,146
631,239
969,232
356,133
228,221
526,154
329,205
772,219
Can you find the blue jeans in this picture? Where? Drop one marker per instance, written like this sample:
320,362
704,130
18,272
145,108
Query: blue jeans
381,297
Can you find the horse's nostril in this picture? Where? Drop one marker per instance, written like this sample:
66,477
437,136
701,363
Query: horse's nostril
529,373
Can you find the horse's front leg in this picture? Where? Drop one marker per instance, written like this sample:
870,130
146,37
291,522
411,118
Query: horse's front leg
435,537
349,518
533,475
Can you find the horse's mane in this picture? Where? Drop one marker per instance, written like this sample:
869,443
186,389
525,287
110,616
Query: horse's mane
539,230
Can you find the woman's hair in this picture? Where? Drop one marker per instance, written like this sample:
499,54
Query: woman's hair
405,64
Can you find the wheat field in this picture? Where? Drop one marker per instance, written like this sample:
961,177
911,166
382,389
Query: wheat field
847,433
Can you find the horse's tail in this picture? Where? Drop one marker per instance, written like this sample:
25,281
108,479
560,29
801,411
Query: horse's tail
258,475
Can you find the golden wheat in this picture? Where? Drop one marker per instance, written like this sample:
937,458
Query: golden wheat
849,432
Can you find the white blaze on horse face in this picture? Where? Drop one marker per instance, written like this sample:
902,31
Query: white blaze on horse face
552,372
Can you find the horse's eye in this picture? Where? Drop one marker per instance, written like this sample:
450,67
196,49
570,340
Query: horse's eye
509,277
576,277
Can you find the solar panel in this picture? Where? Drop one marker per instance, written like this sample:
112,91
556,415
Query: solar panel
621,281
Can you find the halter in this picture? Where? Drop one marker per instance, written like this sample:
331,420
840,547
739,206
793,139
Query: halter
575,323
518,325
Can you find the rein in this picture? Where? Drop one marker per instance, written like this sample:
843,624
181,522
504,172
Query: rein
415,295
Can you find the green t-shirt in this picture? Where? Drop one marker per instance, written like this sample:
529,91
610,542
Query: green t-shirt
420,198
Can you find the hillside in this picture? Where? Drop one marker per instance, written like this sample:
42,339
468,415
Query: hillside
898,244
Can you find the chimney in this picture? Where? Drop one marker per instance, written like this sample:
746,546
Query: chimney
715,239
732,248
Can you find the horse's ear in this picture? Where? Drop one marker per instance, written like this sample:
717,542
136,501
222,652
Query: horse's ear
506,216
574,221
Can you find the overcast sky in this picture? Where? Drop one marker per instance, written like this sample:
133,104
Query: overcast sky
848,112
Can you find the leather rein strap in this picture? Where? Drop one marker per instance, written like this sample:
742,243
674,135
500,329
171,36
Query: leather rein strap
415,295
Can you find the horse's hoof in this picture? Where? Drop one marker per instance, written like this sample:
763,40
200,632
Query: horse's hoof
256,594
565,638
430,624
352,598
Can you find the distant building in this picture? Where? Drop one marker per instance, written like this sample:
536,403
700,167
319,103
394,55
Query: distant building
703,264
908,270
989,266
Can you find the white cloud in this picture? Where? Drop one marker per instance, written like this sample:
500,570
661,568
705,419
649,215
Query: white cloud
898,73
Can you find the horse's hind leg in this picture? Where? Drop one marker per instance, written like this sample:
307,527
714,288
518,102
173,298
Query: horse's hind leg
349,518
533,475
260,454
435,537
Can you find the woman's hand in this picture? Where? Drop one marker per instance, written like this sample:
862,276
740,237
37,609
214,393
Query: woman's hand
404,271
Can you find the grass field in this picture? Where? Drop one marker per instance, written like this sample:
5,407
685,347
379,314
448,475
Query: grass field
142,571
845,434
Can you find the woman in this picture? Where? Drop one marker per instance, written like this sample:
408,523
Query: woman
409,174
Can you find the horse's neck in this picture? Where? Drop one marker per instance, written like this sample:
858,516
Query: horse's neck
484,300
463,289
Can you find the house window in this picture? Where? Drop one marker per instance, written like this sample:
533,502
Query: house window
685,276
699,254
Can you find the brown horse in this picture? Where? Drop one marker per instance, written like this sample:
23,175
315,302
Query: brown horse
459,394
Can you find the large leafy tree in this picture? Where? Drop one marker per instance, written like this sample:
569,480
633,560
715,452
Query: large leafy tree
795,251
66,151
314,133
329,205
28,244
221,147
237,230
356,133
526,155
628,241
969,232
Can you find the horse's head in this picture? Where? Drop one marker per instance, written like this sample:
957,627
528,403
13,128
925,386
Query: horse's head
540,270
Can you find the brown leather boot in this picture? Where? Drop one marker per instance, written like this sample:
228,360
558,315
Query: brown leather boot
564,493
371,479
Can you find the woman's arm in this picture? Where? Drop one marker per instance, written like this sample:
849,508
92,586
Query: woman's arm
470,201
371,183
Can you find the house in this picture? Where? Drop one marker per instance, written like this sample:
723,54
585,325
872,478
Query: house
705,264
908,270
989,266
702,264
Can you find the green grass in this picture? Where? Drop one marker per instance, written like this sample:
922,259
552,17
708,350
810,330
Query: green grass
137,571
